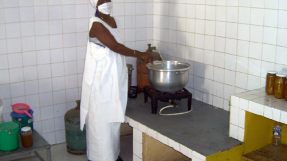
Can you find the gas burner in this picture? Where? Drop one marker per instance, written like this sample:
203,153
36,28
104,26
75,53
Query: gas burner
156,96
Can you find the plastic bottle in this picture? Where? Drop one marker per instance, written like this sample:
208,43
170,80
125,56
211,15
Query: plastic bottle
277,130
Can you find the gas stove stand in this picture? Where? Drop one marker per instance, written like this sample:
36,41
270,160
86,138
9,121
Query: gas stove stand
156,96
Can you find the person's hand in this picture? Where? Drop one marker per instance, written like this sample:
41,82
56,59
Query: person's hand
146,57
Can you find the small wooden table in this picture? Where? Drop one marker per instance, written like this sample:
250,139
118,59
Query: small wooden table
39,143
268,153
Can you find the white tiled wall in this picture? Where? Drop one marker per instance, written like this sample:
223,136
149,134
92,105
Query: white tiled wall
42,52
136,17
229,43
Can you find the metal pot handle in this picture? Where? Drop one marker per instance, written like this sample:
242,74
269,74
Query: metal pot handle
180,72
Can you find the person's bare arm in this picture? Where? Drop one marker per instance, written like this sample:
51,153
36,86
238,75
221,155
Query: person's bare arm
99,31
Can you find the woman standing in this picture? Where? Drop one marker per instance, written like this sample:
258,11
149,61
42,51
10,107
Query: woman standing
104,88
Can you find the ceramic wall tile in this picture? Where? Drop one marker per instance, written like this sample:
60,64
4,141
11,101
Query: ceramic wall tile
270,35
133,123
283,117
226,104
36,115
12,15
137,135
27,29
197,95
152,133
218,102
17,89
243,32
233,131
163,139
243,104
257,16
72,94
13,45
137,149
4,92
184,150
173,144
5,79
48,126
45,85
256,108
136,158
199,26
31,87
46,99
50,137
60,110
198,155
12,30
270,18
242,64
43,57
234,117
252,82
200,11
60,136
218,75
228,91
59,97
268,53
268,112
276,114
26,14
47,112
59,123
240,134
56,41
235,101
241,119
16,75
232,13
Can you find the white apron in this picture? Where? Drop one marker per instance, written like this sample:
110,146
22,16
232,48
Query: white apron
104,98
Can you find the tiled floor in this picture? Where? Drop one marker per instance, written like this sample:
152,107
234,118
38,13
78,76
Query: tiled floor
59,152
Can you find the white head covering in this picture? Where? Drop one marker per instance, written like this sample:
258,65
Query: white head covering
94,3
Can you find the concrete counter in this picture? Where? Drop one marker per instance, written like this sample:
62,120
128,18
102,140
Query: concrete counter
198,134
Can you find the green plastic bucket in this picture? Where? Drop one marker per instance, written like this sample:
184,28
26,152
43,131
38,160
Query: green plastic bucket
23,119
9,136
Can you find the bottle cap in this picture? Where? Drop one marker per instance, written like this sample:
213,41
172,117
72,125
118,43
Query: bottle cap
272,72
281,74
27,128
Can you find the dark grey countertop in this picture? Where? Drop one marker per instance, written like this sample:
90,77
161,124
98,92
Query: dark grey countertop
204,130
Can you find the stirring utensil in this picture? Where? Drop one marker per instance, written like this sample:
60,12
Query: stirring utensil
152,64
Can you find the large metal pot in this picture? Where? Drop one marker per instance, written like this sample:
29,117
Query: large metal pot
169,76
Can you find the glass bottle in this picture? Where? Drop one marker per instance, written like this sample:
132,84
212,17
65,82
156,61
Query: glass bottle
26,137
277,130
270,82
279,85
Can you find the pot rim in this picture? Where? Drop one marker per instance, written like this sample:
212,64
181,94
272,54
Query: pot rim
149,66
